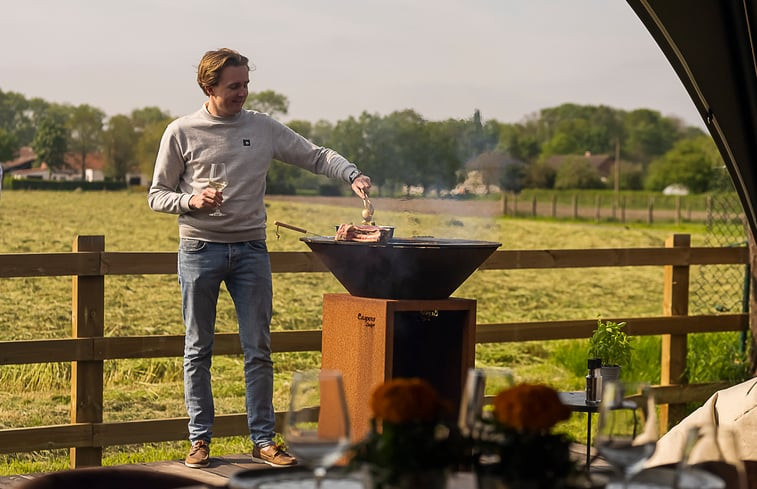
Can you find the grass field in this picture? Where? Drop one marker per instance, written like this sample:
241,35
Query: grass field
39,221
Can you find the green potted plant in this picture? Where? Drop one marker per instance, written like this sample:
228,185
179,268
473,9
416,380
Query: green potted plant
612,345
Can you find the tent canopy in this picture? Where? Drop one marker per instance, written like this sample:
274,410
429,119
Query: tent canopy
711,46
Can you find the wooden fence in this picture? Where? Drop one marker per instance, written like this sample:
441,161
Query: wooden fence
88,348
608,208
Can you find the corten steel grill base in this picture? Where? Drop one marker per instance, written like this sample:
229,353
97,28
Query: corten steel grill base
373,340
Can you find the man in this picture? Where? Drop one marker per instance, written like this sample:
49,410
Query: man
230,248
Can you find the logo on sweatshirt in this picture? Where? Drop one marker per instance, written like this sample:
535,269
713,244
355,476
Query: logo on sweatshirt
245,142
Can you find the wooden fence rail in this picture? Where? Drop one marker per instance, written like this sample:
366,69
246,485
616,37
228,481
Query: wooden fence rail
612,208
88,348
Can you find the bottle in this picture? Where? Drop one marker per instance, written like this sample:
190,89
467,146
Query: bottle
594,382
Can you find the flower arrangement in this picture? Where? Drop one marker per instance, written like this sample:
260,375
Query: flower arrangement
408,440
517,446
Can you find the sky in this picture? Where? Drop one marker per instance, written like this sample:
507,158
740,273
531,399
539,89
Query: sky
338,58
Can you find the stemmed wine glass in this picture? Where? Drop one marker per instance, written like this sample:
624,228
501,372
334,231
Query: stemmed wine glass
317,427
627,428
218,181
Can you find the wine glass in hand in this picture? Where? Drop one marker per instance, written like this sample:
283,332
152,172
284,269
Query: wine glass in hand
317,427
219,182
627,428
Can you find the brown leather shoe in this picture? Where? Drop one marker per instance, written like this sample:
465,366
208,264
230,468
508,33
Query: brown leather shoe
272,455
199,455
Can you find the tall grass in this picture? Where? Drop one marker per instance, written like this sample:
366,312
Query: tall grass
39,221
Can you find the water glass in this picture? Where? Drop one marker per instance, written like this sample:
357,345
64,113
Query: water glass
317,426
627,428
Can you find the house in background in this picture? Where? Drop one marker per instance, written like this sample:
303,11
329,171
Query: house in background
603,163
24,161
24,167
94,165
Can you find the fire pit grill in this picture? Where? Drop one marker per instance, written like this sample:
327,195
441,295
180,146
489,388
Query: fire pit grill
402,268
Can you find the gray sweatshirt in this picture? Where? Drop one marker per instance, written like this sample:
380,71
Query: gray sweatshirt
246,143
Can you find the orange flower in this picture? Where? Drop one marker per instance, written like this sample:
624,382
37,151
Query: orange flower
403,400
529,407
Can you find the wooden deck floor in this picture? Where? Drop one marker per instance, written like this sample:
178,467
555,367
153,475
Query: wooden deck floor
217,474
222,468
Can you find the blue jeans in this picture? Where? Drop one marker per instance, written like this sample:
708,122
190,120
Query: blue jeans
246,270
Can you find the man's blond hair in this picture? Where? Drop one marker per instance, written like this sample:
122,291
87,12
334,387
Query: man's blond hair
213,62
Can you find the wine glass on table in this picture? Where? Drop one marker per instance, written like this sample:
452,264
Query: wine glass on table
218,181
627,428
317,426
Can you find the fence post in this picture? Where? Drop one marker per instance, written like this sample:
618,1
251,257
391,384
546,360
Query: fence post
650,211
533,206
575,206
674,346
597,204
623,209
554,206
503,201
678,210
88,304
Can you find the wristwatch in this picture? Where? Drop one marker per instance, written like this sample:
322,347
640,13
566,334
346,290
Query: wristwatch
355,173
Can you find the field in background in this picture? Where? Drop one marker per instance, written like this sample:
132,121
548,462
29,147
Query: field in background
38,221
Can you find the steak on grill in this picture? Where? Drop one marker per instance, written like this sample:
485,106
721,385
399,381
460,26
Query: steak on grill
363,233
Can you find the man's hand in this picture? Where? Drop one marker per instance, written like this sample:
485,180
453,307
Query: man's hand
361,185
210,198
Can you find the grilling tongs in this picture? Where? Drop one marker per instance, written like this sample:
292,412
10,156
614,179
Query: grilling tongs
367,210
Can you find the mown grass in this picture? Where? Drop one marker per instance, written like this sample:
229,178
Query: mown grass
39,221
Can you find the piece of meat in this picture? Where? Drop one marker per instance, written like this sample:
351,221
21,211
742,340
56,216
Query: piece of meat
361,233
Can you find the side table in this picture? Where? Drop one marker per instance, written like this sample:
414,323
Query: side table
576,401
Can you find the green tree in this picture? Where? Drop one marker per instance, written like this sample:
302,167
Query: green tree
268,101
301,127
8,145
147,145
405,130
540,175
597,130
576,172
649,135
631,176
321,133
141,118
51,142
119,141
477,137
86,126
691,162
514,176
520,141
15,120
569,138
577,129
364,141
444,160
